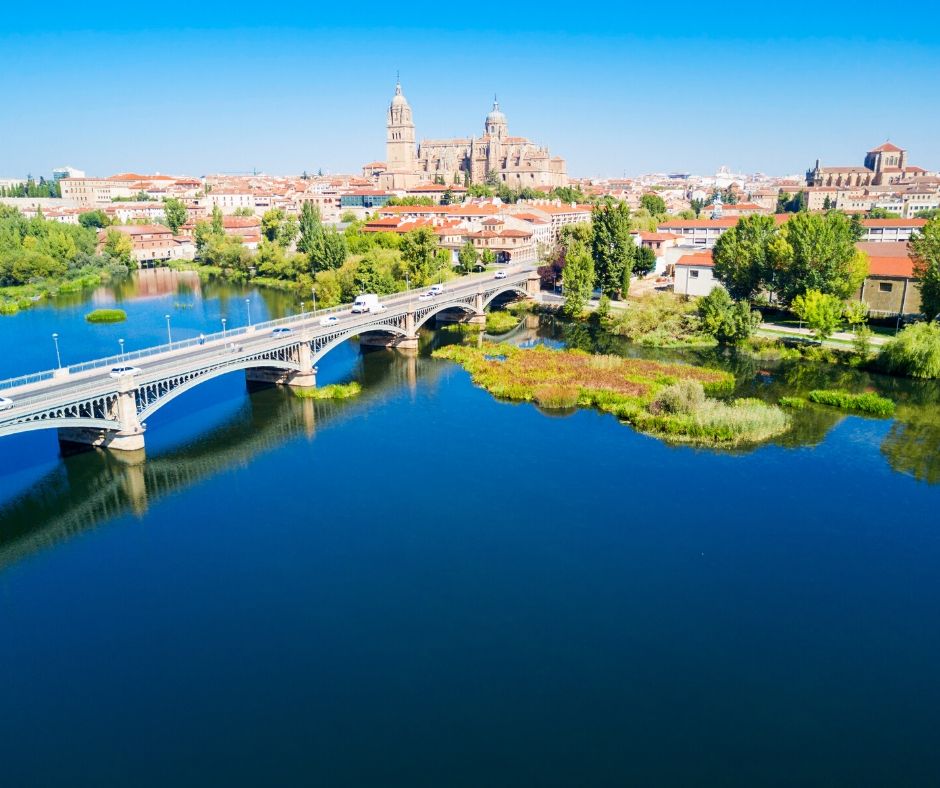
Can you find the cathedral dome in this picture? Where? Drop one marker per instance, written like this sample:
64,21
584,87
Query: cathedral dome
398,100
495,116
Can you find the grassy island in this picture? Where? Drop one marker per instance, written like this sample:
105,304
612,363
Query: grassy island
675,401
106,316
499,322
334,391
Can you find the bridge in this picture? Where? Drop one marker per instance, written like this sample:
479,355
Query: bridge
87,405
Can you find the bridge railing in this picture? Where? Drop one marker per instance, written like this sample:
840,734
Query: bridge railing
169,347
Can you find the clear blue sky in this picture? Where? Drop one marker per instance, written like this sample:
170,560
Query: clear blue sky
290,86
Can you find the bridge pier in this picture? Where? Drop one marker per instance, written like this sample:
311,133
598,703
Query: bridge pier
408,341
305,377
129,438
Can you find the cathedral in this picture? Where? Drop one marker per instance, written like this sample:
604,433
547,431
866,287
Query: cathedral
514,161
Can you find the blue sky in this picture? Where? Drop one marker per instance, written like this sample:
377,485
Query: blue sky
615,89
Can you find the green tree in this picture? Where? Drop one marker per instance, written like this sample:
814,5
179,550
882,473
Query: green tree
697,206
271,223
822,312
925,254
217,222
419,255
243,210
372,277
330,251
578,277
644,260
743,259
92,219
653,203
287,232
447,197
612,248
467,258
491,179
817,252
311,228
118,246
174,213
726,320
488,257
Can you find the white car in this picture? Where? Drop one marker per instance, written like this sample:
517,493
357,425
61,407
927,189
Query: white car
329,320
121,371
5,404
281,331
499,275
377,308
426,296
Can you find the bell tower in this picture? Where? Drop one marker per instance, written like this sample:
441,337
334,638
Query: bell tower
400,136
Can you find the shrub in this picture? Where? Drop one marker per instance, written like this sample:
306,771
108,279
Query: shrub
106,316
334,391
727,320
914,352
499,322
821,311
686,396
555,396
860,403
861,342
796,403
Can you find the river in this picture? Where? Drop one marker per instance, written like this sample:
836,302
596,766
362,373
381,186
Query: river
427,586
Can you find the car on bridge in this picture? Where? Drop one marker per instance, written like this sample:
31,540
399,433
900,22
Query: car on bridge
5,403
365,303
281,331
436,290
329,320
500,275
122,370
426,296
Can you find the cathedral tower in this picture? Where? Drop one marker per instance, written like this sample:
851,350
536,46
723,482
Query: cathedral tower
400,139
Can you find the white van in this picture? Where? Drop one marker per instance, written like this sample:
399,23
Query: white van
436,290
367,302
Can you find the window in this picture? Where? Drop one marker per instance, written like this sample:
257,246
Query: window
885,287
693,273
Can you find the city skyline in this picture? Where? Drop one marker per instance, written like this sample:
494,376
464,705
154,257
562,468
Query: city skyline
303,94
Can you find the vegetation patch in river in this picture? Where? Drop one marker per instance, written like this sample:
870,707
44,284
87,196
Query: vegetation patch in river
499,322
866,402
667,399
333,391
106,316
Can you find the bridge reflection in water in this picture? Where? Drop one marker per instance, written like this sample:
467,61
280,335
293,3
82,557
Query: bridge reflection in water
96,486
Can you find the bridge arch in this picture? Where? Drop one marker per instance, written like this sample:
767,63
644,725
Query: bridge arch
210,374
491,296
338,339
57,422
466,307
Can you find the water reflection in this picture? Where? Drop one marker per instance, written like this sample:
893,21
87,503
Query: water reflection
94,487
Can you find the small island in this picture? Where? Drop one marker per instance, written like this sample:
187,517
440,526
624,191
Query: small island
106,316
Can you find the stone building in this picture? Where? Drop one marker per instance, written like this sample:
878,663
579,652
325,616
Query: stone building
514,161
885,164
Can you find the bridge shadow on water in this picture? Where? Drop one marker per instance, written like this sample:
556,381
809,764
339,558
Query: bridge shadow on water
90,487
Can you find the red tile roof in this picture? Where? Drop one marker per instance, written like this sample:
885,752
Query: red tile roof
699,259
886,147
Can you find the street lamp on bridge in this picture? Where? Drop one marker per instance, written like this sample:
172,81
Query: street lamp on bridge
169,336
248,307
58,358
121,343
223,328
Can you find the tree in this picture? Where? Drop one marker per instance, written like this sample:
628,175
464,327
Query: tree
578,278
726,320
311,228
370,277
488,257
491,179
817,252
697,205
653,203
612,248
419,256
467,258
644,260
447,197
287,232
822,312
218,223
92,219
174,213
925,254
742,256
271,223
243,210
118,246
330,250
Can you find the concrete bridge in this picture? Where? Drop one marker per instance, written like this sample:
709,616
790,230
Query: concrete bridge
87,405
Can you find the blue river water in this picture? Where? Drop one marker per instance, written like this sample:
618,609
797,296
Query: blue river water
426,586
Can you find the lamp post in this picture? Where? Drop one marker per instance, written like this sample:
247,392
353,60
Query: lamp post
223,328
301,308
121,343
169,336
58,358
248,307
313,294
